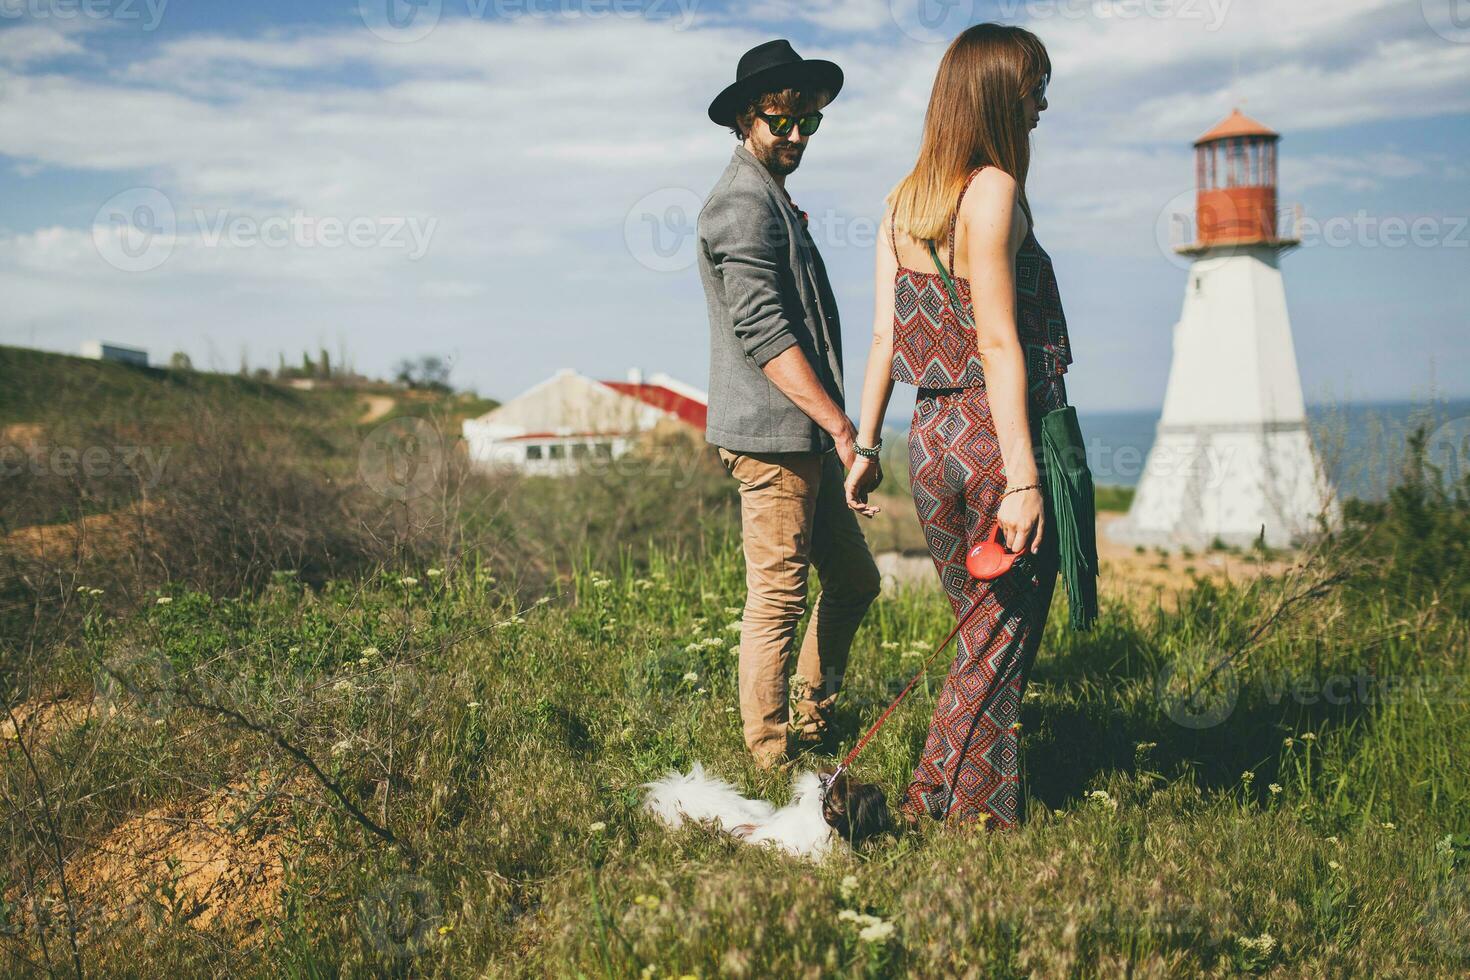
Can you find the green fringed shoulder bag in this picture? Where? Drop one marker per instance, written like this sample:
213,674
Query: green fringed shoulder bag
1068,482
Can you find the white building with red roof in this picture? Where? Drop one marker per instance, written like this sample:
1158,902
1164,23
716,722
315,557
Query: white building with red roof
570,419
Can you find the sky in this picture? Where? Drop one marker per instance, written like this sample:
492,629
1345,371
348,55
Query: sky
513,184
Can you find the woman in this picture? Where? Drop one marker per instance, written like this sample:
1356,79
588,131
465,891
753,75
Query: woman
985,379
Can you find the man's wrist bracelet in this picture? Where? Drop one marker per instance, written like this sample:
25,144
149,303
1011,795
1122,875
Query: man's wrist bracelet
1029,486
871,452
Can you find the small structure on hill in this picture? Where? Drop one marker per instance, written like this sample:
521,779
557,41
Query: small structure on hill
101,350
570,419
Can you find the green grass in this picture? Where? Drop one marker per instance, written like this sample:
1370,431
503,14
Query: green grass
508,735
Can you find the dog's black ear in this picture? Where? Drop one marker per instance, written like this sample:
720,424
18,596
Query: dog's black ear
867,813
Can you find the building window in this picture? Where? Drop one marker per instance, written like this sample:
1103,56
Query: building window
533,452
558,451
579,450
604,450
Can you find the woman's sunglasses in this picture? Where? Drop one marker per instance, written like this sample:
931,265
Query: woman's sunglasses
781,123
1040,90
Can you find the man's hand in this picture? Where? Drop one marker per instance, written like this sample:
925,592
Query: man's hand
844,438
862,480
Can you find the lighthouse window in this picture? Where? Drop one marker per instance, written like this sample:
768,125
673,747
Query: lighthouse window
1197,283
533,452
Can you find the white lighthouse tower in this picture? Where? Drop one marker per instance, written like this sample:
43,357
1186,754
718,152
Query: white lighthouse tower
1232,455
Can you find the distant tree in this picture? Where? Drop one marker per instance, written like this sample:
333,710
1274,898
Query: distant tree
326,365
429,373
180,361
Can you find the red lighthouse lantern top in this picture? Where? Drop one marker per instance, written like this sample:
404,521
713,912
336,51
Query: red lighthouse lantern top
1235,177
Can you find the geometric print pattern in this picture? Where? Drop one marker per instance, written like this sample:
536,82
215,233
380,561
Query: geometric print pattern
970,764
932,348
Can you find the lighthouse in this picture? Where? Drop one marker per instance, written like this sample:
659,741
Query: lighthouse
1232,458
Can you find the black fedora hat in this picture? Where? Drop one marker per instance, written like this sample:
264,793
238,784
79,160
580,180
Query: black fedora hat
771,67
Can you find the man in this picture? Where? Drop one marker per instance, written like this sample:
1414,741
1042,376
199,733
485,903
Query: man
776,403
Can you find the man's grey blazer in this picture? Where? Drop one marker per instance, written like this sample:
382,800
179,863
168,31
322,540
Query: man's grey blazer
767,290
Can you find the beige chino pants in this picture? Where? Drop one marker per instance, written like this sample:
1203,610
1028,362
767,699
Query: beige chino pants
793,514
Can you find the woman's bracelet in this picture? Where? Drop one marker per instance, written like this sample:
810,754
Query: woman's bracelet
1029,486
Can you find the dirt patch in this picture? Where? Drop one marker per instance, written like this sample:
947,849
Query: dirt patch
98,536
1143,578
1148,578
39,721
375,407
215,861
27,435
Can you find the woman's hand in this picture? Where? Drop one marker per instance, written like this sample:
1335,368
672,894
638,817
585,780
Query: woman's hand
862,480
1022,520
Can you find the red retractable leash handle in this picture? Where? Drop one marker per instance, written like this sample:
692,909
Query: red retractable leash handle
987,560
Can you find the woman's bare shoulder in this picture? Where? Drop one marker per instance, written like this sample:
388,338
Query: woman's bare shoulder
992,192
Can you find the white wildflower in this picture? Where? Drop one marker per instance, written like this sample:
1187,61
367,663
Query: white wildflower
1274,788
163,600
342,747
691,677
597,826
408,581
1100,798
434,572
871,928
848,887
890,644
1263,945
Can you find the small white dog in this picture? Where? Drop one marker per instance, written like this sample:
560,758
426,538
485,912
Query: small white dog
809,826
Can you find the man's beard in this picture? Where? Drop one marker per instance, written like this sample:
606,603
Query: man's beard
780,158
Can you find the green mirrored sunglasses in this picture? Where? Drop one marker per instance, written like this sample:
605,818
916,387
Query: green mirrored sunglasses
781,123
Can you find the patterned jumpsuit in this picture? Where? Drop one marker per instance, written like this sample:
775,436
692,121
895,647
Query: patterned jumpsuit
971,759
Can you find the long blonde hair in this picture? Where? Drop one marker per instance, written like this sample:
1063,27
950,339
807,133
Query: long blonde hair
975,118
